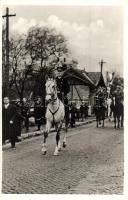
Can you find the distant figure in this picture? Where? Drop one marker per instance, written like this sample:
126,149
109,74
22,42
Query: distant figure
99,110
38,113
9,122
25,113
78,111
85,110
19,120
73,111
82,111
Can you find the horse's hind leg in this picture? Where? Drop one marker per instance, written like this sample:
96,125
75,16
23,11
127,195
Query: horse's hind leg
64,139
58,143
44,147
60,139
56,152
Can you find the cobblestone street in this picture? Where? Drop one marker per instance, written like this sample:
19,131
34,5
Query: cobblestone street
92,163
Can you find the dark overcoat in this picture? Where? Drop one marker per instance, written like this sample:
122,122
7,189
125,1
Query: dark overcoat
8,128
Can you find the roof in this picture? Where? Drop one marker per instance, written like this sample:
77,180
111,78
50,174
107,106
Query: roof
85,75
78,74
96,77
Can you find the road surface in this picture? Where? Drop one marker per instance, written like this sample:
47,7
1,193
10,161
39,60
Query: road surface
92,163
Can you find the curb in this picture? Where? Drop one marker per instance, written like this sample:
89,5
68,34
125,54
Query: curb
38,133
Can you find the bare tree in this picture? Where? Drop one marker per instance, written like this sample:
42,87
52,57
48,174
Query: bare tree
45,45
40,45
19,70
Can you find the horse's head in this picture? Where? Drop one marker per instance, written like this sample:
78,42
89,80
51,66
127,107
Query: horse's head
51,91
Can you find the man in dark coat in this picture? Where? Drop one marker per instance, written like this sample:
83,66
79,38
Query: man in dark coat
82,111
85,110
38,112
9,122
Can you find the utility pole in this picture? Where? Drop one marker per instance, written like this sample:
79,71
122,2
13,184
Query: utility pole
7,50
101,64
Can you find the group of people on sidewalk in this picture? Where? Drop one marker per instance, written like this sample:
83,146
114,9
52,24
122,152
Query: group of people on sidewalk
76,112
14,117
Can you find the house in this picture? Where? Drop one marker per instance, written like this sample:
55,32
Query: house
98,80
80,85
83,85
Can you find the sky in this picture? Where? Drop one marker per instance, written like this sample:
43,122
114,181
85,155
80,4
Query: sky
93,32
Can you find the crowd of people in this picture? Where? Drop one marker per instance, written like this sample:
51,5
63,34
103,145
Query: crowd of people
77,111
15,116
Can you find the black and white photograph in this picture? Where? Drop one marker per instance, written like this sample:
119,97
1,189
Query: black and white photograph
62,99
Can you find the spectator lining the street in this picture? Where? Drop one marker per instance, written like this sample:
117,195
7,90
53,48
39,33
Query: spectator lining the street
82,111
38,113
78,110
9,122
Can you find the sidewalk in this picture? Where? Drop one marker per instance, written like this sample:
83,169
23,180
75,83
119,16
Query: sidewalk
33,133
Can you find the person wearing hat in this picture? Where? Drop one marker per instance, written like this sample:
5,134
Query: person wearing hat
9,121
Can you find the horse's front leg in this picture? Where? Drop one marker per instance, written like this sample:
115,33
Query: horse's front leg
46,132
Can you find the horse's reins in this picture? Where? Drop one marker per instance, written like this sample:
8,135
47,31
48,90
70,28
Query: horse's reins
53,113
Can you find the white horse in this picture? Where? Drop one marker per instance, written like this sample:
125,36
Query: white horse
54,116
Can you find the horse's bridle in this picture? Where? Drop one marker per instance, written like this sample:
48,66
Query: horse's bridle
52,94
